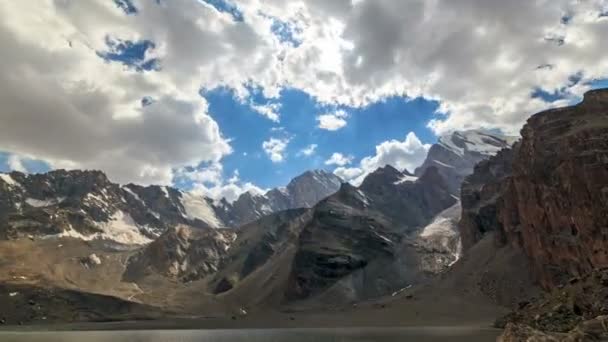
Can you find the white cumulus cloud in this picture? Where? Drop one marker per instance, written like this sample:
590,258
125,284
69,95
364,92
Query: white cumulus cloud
15,163
339,159
332,121
275,148
407,154
270,110
308,150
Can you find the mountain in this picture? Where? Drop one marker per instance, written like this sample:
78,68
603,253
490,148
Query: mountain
86,205
357,243
181,252
546,200
314,243
304,191
456,154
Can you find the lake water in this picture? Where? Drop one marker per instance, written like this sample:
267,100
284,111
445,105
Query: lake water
261,335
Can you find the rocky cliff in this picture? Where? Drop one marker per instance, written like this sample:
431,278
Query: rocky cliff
551,200
363,242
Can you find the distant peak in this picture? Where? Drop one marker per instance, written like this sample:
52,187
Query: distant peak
316,172
386,174
475,140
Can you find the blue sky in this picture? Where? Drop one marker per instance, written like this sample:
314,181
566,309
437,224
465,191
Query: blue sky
171,92
392,118
367,127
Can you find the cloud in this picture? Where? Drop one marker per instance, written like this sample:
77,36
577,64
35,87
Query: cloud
270,110
339,159
348,173
480,60
15,163
275,149
66,105
332,121
229,191
407,154
209,181
308,150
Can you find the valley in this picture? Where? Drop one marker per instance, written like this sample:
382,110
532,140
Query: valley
491,230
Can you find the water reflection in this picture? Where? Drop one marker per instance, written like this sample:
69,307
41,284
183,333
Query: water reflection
261,335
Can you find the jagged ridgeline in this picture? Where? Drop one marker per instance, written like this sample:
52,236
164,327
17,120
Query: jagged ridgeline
317,240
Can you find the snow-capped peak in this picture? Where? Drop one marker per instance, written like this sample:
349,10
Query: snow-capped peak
475,141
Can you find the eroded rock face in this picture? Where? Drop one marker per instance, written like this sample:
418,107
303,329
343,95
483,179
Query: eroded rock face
553,202
183,253
357,245
556,201
480,194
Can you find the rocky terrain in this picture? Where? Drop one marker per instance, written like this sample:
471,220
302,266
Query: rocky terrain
546,200
314,244
304,191
86,205
456,154
356,244
182,252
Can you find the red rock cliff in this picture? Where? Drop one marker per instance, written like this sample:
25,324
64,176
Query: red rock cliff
554,203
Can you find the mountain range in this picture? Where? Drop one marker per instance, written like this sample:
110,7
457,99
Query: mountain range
501,222
85,204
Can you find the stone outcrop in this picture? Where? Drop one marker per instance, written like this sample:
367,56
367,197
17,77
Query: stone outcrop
552,200
183,253
357,245
480,195
556,201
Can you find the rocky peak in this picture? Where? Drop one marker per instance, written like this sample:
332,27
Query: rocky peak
311,187
303,191
383,175
456,153
86,205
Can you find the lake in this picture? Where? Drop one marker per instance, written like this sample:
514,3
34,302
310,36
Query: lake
416,334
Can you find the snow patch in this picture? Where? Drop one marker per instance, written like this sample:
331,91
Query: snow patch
36,203
442,164
266,209
9,180
165,191
475,141
406,178
363,197
94,197
196,207
133,194
382,237
120,228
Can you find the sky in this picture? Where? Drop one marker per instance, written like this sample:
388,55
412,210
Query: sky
227,96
